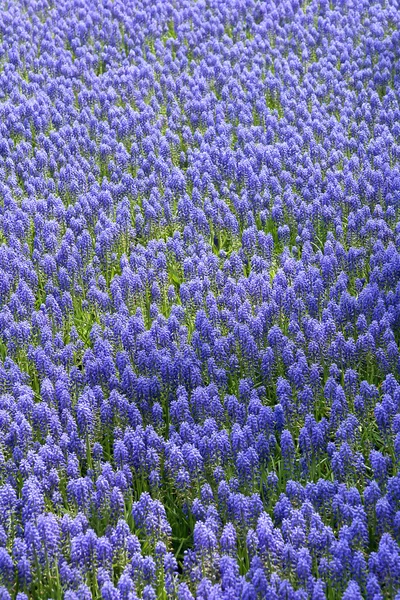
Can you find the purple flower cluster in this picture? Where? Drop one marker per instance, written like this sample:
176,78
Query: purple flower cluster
200,299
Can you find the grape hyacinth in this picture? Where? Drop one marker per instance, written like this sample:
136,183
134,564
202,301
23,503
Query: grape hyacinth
200,299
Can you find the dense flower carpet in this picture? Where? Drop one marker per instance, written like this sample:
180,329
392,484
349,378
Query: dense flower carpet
199,299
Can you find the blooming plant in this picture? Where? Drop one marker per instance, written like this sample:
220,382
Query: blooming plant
199,299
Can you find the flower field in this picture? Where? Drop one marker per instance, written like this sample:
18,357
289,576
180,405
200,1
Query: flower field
199,299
